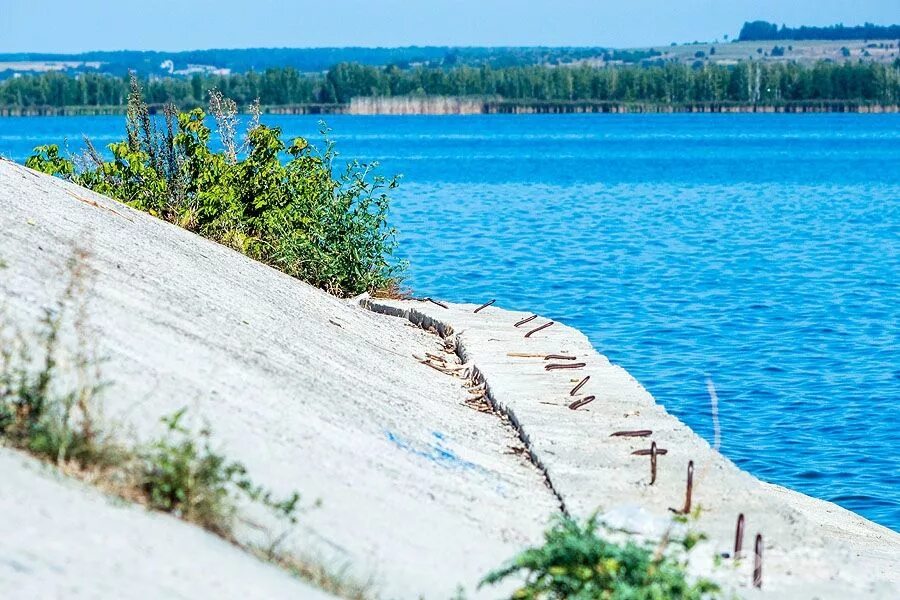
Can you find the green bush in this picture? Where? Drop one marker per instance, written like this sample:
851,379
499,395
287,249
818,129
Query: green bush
575,563
300,216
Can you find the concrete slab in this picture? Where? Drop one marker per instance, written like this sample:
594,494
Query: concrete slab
812,548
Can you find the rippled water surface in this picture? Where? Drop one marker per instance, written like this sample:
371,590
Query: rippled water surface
758,250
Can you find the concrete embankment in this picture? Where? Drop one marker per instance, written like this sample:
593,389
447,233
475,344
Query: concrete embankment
421,490
811,548
418,493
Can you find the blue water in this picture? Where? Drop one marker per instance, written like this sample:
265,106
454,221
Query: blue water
758,250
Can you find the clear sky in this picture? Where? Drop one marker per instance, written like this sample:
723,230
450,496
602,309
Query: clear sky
77,25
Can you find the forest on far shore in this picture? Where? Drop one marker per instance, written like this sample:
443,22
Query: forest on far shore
763,31
755,83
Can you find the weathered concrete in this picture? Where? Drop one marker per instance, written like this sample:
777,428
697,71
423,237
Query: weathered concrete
61,539
419,492
812,548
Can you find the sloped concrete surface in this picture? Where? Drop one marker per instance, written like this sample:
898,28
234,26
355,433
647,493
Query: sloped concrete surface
61,539
811,549
419,493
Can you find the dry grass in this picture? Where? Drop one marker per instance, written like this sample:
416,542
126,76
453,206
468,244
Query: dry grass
392,290
337,582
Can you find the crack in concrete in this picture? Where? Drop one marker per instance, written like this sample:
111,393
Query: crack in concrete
445,331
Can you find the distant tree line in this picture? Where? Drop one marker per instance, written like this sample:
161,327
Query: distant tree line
749,82
665,84
763,30
318,60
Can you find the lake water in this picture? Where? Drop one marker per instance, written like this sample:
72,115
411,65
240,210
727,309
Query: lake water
757,250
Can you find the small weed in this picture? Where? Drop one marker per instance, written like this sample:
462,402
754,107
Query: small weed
182,474
692,538
575,562
34,414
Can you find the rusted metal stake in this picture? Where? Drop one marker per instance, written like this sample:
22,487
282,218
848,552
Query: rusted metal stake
558,366
690,488
438,302
652,463
559,357
635,433
485,305
739,536
536,329
525,320
579,403
757,562
646,452
579,386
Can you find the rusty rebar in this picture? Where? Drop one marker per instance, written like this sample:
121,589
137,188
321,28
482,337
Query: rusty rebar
739,535
525,320
687,495
579,386
485,305
438,302
558,366
579,403
652,463
757,561
634,433
559,357
646,452
536,329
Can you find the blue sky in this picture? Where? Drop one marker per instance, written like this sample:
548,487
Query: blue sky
77,25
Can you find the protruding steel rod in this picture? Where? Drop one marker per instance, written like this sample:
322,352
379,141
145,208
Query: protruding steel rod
485,305
536,329
635,433
438,302
652,463
579,386
739,536
687,496
558,366
646,452
757,561
525,320
579,403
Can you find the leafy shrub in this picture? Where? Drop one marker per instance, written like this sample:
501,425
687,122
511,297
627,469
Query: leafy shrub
576,563
300,216
182,474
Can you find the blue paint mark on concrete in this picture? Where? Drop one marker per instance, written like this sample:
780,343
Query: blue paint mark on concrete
436,452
